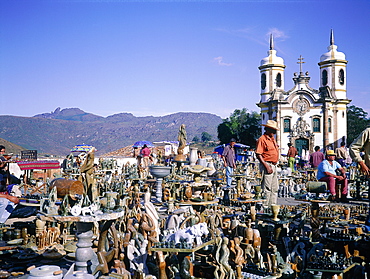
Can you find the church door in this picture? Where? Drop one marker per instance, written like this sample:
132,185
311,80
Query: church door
300,144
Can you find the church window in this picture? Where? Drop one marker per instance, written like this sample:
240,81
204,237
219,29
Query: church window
341,77
286,125
278,80
263,81
329,125
324,77
316,125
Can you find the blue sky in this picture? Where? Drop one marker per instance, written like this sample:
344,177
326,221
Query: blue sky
162,57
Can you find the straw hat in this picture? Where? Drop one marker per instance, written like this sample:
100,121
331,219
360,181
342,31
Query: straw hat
271,124
330,152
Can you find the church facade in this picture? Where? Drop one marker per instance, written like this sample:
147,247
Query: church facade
306,117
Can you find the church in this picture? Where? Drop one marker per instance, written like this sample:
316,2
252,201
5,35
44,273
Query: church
306,117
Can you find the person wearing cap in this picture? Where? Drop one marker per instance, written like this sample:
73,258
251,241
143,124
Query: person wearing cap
327,172
267,153
228,156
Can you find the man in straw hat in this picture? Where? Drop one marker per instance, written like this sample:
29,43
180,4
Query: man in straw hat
327,171
267,152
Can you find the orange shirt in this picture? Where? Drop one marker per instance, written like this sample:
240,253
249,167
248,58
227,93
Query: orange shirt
267,147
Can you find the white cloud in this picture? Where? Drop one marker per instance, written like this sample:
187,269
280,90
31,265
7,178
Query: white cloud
219,61
278,34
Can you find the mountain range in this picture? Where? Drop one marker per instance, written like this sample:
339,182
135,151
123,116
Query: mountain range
58,131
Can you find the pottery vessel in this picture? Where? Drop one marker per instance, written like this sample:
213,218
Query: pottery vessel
275,211
159,171
193,156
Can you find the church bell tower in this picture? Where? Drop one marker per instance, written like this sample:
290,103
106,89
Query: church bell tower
333,70
272,73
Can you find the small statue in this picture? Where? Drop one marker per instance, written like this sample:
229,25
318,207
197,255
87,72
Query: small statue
87,174
182,137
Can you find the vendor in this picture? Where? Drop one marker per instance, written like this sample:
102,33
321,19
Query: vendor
7,202
327,171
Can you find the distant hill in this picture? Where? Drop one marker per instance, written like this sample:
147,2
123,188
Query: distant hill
57,132
11,147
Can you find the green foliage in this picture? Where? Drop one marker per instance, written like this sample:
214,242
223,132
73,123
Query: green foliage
206,137
195,139
244,126
357,121
224,132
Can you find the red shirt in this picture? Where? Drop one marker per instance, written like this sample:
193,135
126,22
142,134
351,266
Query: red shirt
292,152
145,152
268,148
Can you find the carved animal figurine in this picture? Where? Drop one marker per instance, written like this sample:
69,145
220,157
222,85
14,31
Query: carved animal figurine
190,234
76,210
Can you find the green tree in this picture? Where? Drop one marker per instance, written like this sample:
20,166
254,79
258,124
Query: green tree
195,139
206,137
223,132
244,126
357,121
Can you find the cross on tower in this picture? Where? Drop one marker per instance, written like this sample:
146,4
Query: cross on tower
300,63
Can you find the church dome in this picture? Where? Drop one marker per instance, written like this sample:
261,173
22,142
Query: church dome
272,58
333,54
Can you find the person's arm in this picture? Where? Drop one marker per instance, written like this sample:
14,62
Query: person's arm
264,163
224,160
223,156
342,170
10,198
355,149
339,177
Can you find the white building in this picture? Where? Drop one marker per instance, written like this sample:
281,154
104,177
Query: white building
306,117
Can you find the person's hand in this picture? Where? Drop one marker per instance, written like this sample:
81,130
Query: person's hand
364,169
269,169
13,199
339,177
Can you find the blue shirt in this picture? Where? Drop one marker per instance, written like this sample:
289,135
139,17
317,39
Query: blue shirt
325,166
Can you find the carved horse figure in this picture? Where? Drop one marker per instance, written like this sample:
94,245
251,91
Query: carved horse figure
189,234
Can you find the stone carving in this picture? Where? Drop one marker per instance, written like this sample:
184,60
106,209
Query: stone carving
182,137
190,234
